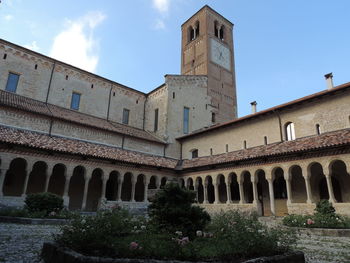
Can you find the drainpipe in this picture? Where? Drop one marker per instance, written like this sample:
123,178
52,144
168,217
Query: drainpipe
109,101
181,150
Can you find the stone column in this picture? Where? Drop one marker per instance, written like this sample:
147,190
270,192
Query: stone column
104,183
196,190
241,192
205,188
119,193
272,197
133,184
289,189
216,193
86,185
330,188
145,197
228,192
5,166
306,176
25,185
255,190
48,176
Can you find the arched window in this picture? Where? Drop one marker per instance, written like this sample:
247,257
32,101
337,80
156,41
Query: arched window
216,29
222,33
289,130
318,129
194,153
190,34
197,30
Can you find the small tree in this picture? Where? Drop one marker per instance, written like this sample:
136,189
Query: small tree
172,210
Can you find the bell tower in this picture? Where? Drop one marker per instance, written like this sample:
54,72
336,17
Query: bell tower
207,49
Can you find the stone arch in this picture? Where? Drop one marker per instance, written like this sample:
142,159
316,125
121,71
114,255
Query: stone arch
298,185
234,187
222,188
76,188
280,191
190,185
182,183
200,190
264,208
57,179
247,187
152,182
15,177
318,183
94,193
140,188
163,182
210,189
112,186
340,181
37,178
127,187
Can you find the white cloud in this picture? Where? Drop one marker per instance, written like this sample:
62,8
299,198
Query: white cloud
8,17
161,5
32,46
159,24
76,44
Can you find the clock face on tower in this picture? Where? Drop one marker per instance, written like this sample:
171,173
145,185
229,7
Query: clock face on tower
220,54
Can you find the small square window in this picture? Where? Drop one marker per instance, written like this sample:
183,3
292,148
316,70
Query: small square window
75,101
12,82
195,153
126,116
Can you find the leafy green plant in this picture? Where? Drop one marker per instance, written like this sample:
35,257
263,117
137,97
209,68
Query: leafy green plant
173,210
47,202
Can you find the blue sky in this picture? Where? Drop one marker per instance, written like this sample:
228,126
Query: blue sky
282,48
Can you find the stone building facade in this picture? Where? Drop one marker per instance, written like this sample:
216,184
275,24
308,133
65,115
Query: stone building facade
98,143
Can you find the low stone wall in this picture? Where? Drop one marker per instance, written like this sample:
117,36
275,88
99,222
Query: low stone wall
52,253
301,208
325,232
12,201
217,208
33,221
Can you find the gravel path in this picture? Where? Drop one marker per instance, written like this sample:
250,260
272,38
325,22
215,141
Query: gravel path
22,243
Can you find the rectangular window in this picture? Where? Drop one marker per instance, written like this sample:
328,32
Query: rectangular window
126,116
195,153
156,120
74,105
12,82
186,123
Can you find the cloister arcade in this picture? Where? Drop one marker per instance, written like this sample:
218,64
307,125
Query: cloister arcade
82,187
276,189
271,189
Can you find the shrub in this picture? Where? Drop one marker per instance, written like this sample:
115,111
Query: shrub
240,235
44,203
95,235
172,210
324,207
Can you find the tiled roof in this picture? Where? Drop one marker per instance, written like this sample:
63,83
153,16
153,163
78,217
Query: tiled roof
317,142
58,144
28,104
311,97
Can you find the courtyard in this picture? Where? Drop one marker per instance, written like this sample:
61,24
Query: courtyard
22,243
